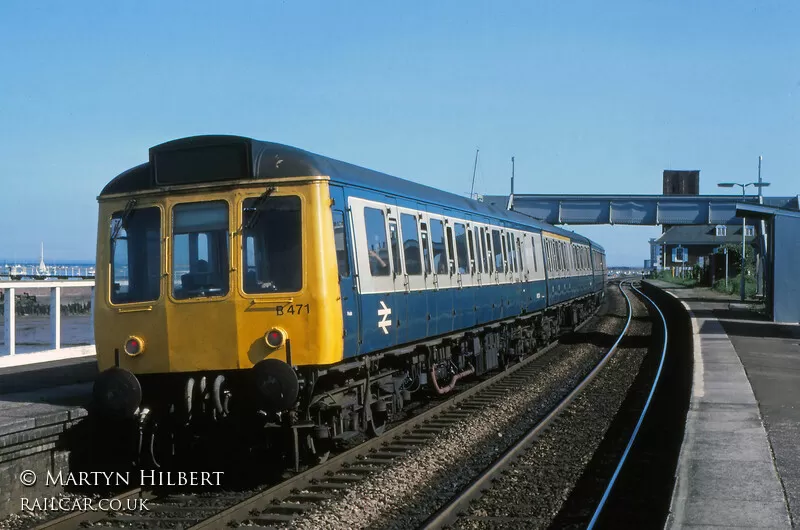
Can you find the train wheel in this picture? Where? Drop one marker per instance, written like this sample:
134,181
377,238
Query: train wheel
377,423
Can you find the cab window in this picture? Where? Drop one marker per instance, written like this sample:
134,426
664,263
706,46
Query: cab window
135,255
272,245
200,262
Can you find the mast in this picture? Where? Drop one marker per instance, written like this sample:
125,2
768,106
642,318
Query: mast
511,197
474,169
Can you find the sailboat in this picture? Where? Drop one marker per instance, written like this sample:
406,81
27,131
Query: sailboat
41,272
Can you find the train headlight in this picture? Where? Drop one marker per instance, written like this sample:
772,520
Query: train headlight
134,346
275,338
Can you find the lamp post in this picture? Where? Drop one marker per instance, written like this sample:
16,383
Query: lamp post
759,185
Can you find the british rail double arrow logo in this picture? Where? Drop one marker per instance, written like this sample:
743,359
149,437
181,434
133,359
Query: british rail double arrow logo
384,322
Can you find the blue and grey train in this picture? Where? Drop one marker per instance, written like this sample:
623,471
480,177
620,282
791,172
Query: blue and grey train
242,279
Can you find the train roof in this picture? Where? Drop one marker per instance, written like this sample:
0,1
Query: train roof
221,158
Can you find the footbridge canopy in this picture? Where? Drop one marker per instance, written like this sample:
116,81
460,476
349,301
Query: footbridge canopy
636,209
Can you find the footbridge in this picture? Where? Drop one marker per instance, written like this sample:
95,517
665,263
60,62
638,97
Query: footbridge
777,229
636,209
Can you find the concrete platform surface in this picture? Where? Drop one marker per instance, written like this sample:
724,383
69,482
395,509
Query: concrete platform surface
739,466
44,356
46,372
23,411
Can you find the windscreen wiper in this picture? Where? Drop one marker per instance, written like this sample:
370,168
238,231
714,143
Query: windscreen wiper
123,219
256,208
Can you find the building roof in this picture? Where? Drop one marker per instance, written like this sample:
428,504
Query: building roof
701,235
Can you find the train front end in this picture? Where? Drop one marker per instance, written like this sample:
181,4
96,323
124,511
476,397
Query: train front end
216,284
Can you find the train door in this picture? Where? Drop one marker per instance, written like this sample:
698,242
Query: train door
498,267
400,298
342,230
427,271
463,294
483,293
442,307
415,325
377,270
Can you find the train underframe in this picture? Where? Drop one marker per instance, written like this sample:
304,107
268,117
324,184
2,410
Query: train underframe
181,414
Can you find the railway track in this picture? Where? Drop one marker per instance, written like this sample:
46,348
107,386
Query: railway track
283,502
458,513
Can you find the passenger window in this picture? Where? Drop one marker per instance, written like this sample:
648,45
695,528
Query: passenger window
559,256
489,253
450,250
498,251
200,238
475,264
395,246
340,239
461,249
375,224
483,251
411,254
512,252
439,252
506,262
426,253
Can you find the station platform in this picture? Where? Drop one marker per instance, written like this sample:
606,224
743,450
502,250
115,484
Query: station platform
35,430
739,465
25,372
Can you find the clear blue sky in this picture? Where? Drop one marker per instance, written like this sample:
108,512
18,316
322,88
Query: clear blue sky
587,97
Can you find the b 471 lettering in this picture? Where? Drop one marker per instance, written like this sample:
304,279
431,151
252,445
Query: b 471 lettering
292,309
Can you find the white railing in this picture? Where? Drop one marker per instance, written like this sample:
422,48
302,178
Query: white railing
12,288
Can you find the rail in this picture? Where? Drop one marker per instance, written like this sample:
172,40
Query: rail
337,471
624,456
11,289
449,512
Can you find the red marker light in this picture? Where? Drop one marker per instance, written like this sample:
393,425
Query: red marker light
274,338
134,346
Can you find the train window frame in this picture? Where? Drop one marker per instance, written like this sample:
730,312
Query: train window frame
342,254
497,250
257,278
394,247
461,248
534,238
452,262
482,245
512,252
407,221
377,267
217,265
111,285
424,238
506,264
473,266
489,251
437,224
